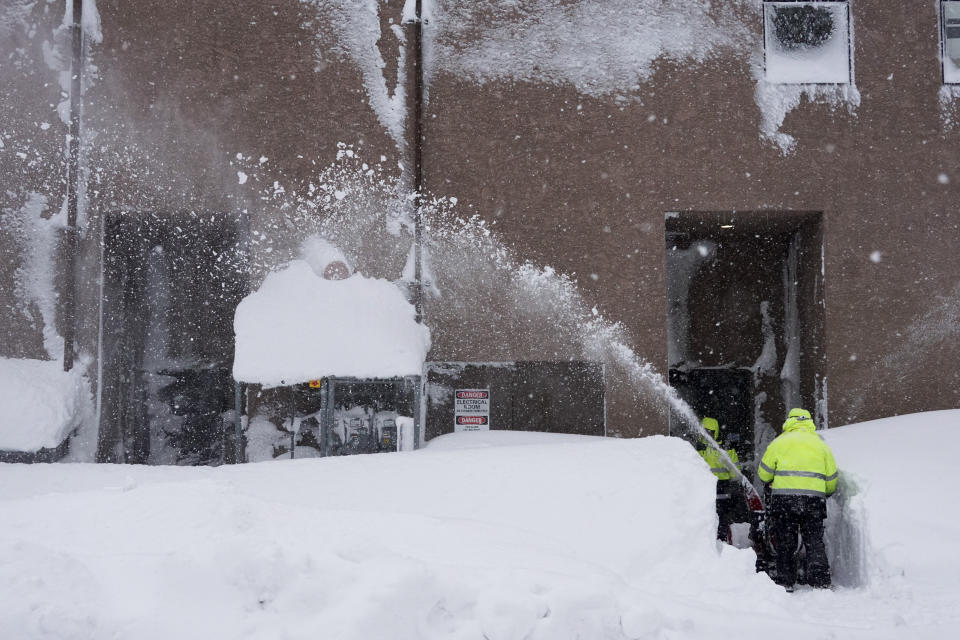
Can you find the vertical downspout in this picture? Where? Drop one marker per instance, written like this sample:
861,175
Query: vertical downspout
73,173
415,141
415,39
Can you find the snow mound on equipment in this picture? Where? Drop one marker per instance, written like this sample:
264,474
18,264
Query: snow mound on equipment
40,404
298,326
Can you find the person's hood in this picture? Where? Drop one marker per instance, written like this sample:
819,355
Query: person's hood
712,426
799,420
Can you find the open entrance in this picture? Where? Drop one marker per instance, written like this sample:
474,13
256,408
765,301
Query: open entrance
171,284
745,319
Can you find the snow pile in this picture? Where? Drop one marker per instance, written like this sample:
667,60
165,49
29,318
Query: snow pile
550,542
322,255
486,439
472,537
40,404
299,327
892,475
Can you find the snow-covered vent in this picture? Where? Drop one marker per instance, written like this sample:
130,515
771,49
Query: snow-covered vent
807,42
950,33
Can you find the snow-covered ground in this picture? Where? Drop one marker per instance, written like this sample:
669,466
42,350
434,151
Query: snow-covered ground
481,535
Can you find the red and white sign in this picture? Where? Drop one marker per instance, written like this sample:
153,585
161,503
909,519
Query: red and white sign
471,410
473,394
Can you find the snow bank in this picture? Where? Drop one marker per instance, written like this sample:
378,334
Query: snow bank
560,538
485,439
40,404
562,541
299,327
894,474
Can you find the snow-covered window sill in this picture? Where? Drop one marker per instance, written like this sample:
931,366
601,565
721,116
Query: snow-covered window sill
807,42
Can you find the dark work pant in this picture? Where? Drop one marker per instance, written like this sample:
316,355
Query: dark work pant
803,515
725,509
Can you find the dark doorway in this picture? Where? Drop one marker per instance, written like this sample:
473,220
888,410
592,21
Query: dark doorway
745,297
723,394
171,284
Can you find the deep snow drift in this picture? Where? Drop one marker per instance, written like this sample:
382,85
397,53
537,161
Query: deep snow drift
491,535
897,496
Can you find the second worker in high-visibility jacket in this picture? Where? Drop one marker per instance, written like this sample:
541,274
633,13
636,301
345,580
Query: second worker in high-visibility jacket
726,494
802,473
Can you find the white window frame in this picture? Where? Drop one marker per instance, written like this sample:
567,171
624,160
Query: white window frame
769,5
955,80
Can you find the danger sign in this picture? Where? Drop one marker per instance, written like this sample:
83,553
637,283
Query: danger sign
473,394
471,410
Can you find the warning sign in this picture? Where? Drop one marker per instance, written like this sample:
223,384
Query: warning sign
316,384
471,410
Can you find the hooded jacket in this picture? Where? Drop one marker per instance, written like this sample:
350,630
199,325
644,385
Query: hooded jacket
798,461
712,456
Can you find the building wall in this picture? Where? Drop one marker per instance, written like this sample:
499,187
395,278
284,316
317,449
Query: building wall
583,183
31,165
572,178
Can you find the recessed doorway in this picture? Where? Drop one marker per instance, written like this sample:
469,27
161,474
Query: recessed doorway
745,319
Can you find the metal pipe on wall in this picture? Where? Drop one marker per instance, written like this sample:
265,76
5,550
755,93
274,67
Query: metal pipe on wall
415,141
73,175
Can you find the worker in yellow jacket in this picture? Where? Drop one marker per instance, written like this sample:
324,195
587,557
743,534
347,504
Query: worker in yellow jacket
802,473
725,492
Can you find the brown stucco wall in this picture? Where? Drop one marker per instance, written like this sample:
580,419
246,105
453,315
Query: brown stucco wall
171,107
574,181
581,183
31,140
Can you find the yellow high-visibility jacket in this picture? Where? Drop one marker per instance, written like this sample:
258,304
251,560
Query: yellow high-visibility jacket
712,456
798,462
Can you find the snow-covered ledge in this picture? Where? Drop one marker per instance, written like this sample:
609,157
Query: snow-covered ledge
299,326
40,404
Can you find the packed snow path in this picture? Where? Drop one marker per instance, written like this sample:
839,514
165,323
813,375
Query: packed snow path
539,537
